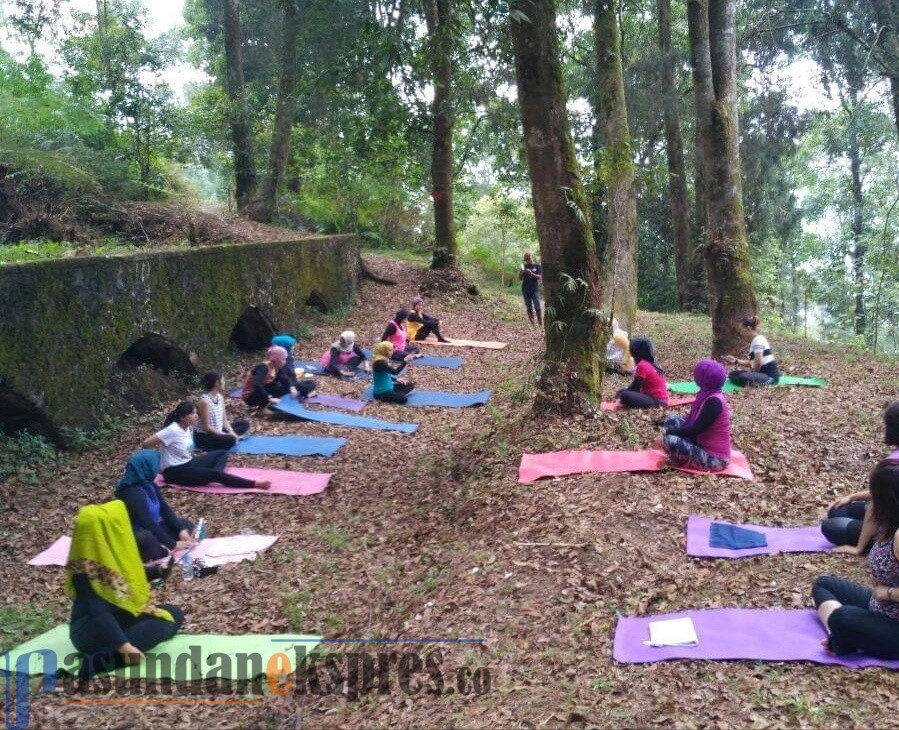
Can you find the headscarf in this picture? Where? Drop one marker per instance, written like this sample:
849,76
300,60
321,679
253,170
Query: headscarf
709,376
417,302
141,471
105,550
641,349
277,355
285,341
382,351
348,337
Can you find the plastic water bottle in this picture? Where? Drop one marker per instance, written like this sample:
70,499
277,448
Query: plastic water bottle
200,529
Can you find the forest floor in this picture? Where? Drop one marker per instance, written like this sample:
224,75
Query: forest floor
430,535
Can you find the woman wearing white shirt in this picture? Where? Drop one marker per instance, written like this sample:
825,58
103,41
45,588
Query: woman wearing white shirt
761,359
177,464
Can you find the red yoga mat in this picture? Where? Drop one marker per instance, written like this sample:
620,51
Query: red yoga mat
284,481
563,463
616,405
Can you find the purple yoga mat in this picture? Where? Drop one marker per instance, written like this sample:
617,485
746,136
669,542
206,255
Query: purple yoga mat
780,540
768,635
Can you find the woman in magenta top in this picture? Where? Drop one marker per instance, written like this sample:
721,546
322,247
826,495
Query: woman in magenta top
702,439
395,333
858,618
648,388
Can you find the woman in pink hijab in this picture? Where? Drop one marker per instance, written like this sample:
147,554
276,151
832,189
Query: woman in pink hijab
702,440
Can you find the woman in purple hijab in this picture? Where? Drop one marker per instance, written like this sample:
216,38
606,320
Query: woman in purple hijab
702,440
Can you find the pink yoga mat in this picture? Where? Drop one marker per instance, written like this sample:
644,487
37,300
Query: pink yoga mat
780,540
465,343
616,405
292,483
56,554
563,463
768,635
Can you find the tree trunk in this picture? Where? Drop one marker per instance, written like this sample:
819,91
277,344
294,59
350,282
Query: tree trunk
284,111
678,197
575,334
238,111
714,60
619,264
441,30
858,224
886,13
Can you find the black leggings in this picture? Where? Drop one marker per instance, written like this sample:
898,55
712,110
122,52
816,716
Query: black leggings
206,469
430,325
751,378
636,399
336,368
215,441
853,627
400,394
275,389
843,525
144,633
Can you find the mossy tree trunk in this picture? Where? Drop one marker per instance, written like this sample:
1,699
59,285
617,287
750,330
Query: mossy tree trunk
284,110
714,62
615,169
441,29
678,197
575,334
238,111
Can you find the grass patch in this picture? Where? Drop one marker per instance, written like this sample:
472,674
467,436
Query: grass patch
295,606
19,624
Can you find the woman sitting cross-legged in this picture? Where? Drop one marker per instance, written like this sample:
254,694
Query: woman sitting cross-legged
849,524
269,380
648,389
385,386
763,366
304,386
214,430
422,324
157,529
395,333
344,356
858,618
178,465
702,440
114,620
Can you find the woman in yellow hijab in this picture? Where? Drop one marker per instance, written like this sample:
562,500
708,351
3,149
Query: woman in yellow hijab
385,386
114,620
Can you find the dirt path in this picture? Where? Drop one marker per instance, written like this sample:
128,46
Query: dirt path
423,536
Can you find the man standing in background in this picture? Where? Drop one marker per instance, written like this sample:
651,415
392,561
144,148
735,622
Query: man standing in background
530,276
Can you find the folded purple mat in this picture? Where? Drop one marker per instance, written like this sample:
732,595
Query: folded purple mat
768,635
780,540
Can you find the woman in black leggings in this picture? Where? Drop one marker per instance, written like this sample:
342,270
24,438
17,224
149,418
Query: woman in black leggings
848,524
858,618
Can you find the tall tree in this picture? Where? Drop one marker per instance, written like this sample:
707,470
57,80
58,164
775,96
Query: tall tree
575,336
678,196
713,55
284,110
442,28
616,170
238,111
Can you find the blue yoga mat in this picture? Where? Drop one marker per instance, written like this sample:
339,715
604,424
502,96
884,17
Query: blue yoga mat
294,408
424,398
314,367
289,445
433,361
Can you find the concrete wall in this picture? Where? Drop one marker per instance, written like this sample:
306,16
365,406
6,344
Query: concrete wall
64,323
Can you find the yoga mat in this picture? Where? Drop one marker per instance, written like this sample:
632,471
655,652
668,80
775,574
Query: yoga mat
771,635
487,345
289,445
315,367
266,645
424,398
284,481
780,540
672,402
232,548
296,409
690,387
435,361
563,463
56,554
336,401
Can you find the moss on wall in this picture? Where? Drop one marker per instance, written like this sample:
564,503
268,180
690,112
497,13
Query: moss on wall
64,323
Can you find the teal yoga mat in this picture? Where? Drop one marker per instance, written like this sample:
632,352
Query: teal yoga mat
193,653
691,387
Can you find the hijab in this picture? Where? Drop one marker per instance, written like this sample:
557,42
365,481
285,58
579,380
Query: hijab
104,549
277,356
382,351
140,472
710,376
641,349
285,341
346,342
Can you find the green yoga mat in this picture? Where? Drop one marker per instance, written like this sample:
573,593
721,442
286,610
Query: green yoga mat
691,387
206,655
